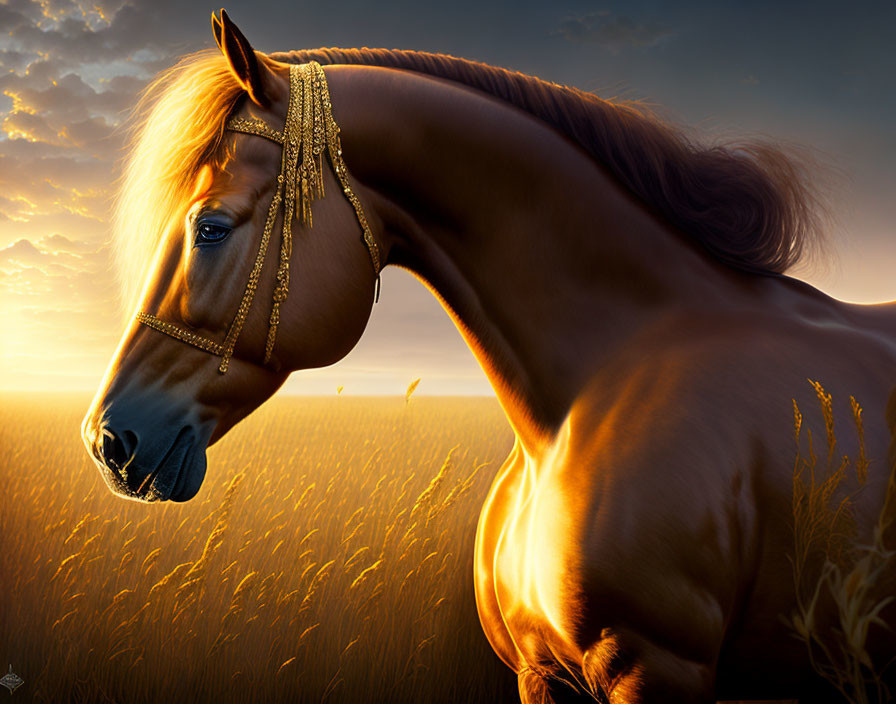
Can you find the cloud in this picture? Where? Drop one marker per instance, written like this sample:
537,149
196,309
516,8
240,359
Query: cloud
15,60
56,294
22,253
70,70
67,97
29,126
64,244
613,32
55,185
51,256
84,33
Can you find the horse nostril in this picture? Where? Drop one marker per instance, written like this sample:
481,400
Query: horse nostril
118,449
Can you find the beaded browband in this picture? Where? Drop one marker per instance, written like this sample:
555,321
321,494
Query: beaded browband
308,132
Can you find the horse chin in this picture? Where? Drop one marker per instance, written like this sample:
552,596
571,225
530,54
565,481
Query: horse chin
190,476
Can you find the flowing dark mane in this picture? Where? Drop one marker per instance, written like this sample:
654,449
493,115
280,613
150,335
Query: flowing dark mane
751,204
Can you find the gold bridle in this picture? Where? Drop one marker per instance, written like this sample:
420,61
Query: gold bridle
308,132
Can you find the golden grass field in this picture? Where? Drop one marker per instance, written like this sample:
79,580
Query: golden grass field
327,557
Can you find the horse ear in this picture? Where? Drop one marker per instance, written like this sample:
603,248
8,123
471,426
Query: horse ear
241,56
218,30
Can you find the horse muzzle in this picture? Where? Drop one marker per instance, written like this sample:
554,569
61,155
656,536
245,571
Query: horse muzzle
144,458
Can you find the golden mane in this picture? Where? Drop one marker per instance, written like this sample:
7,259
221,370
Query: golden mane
178,124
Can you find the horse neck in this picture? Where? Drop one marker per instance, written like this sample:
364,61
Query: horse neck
546,265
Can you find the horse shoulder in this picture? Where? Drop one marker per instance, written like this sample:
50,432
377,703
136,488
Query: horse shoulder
663,523
659,476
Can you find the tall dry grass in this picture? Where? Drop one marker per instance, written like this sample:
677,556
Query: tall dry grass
831,567
328,558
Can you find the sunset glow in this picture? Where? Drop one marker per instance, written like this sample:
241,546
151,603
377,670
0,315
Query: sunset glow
576,442
72,71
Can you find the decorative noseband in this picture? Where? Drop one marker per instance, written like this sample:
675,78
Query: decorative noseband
308,132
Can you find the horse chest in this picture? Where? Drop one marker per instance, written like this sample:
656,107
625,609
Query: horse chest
559,556
526,566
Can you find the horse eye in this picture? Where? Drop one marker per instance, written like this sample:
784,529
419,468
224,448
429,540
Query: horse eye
209,232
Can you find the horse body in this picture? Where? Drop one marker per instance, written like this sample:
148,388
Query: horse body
644,555
638,543
633,546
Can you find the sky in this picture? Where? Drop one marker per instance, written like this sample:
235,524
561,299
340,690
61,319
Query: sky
819,74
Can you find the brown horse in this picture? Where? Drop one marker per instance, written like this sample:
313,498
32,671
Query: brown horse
621,287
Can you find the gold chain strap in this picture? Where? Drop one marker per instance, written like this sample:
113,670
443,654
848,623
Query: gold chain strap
334,147
254,126
309,130
181,334
292,136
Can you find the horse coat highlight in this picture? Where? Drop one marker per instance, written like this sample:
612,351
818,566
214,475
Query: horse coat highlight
624,291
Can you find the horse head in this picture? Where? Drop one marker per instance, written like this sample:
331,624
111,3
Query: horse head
240,288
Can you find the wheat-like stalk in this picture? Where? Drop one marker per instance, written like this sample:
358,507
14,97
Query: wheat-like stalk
828,564
411,388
